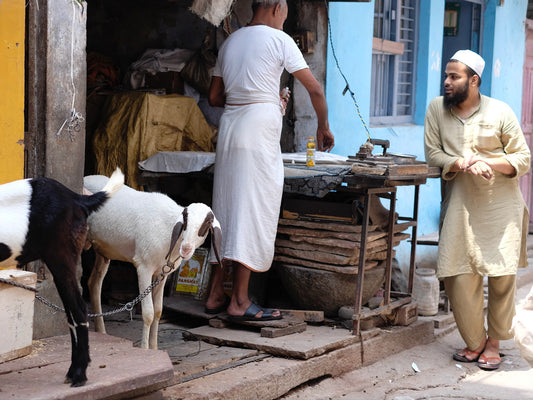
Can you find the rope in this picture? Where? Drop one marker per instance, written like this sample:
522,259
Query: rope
75,118
347,88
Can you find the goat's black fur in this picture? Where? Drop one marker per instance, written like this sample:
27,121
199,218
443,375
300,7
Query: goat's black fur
57,230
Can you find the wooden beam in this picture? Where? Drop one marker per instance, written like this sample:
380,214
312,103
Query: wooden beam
387,46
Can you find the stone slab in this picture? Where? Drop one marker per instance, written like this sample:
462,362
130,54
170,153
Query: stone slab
117,369
210,358
273,377
316,340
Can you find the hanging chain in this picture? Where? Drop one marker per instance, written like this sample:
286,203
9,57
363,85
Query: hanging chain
165,270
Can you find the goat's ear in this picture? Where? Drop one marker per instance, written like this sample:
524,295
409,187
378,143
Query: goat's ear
185,215
208,222
176,232
216,241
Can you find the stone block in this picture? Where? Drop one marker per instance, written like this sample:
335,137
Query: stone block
406,314
16,314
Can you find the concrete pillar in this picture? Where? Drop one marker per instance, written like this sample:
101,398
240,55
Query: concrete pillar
55,141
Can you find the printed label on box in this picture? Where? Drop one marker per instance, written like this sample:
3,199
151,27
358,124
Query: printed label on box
189,277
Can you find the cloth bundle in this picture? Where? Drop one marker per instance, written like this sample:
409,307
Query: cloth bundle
522,328
212,11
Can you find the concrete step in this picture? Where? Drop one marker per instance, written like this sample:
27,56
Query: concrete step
117,370
271,377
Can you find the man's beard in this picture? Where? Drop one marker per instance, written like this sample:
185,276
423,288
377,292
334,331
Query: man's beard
457,97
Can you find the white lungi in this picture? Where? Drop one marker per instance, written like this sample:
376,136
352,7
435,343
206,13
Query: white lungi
248,183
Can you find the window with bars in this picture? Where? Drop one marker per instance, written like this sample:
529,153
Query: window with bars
393,61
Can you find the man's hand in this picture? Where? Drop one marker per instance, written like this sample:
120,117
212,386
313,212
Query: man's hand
325,139
475,165
480,167
284,97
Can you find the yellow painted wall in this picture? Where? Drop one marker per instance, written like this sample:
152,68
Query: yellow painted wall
11,90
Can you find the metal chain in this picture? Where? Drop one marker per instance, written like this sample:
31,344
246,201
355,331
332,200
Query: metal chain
20,285
165,270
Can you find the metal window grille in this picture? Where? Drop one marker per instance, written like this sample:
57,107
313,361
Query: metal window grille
392,87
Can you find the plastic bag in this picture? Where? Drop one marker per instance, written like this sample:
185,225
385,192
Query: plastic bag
522,328
198,70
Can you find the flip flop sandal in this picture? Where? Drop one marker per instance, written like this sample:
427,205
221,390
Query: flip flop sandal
485,365
463,358
219,309
252,311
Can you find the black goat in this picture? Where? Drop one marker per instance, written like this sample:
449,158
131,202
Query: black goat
40,219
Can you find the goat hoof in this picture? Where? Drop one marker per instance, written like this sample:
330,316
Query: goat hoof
78,384
76,381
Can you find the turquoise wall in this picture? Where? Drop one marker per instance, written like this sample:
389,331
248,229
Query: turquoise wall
429,57
508,50
351,34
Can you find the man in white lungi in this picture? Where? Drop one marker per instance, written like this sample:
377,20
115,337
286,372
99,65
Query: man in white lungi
248,181
478,143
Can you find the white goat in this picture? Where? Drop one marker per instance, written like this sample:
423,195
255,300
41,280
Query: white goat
145,229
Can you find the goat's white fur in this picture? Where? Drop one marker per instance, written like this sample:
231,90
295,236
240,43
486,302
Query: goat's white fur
136,227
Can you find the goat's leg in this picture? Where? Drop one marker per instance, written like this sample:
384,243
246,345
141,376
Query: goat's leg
157,296
64,273
147,305
101,265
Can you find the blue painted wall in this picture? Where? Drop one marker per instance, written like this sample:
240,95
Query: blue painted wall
351,34
508,44
352,31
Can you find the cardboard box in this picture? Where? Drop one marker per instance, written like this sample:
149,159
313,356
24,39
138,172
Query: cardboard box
192,277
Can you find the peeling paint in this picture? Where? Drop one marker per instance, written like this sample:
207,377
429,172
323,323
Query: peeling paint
435,61
497,68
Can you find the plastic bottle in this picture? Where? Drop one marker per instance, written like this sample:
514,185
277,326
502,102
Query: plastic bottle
311,147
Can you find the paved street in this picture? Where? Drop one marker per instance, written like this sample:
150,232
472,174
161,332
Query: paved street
440,377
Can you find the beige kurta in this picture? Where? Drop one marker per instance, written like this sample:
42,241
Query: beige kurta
484,223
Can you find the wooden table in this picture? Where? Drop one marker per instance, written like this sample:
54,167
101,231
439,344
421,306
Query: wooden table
364,185
385,186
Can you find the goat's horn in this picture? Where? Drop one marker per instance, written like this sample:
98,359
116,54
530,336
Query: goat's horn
217,242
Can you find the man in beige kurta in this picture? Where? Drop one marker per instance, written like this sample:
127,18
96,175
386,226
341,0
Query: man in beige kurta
478,143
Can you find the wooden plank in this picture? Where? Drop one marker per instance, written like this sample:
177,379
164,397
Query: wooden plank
347,269
270,332
301,245
407,169
368,169
319,256
387,46
305,315
351,253
327,226
347,244
329,234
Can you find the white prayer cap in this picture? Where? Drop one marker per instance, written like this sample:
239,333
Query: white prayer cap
470,59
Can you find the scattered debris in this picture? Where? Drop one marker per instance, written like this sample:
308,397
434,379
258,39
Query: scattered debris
415,367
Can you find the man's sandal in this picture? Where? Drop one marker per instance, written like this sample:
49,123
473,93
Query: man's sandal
473,356
483,363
